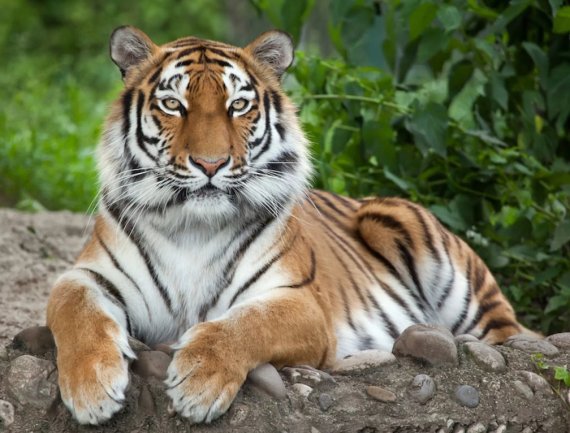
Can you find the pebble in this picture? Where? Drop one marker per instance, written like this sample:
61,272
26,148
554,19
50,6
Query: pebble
146,402
431,343
459,429
302,389
31,381
536,382
381,394
3,354
137,346
364,359
36,340
422,388
485,356
527,430
523,389
464,338
166,348
477,428
314,430
325,401
501,429
530,344
151,364
238,414
307,375
467,396
561,340
266,378
6,414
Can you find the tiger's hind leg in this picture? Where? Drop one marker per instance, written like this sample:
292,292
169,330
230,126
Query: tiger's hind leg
446,278
92,348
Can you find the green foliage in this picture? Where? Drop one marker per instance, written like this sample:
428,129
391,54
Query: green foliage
463,107
57,83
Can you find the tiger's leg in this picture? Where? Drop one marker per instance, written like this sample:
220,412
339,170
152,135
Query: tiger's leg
447,278
213,358
92,347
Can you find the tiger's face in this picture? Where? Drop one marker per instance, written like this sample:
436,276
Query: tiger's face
203,128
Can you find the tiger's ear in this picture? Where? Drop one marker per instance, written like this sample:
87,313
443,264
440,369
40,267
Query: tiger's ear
273,49
129,46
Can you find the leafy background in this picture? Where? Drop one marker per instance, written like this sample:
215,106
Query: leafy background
461,105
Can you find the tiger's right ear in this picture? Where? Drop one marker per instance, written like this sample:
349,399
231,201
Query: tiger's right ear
129,46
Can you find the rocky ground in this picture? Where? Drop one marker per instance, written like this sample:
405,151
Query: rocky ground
432,382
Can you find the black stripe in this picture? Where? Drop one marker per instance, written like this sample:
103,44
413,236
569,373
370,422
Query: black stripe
346,308
112,290
498,324
329,203
311,276
409,261
154,77
355,286
389,222
346,202
128,229
120,269
466,300
280,131
267,134
127,101
285,162
483,309
427,234
276,98
183,63
141,138
479,276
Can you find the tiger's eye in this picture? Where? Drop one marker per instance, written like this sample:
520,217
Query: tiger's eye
171,103
239,104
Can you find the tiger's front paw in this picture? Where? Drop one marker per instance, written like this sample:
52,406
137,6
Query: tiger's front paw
92,382
205,375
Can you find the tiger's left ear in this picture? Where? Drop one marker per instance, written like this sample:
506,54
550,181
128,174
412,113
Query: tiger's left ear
129,46
273,49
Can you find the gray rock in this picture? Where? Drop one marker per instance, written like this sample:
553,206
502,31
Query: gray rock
151,363
364,359
464,338
523,389
467,396
477,428
431,343
36,340
422,388
33,381
266,378
459,429
6,414
302,389
561,340
238,414
3,354
146,402
530,344
381,394
325,401
314,430
527,430
501,429
486,356
138,346
536,382
307,375
166,348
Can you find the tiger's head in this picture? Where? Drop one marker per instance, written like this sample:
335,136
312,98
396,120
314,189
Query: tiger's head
202,128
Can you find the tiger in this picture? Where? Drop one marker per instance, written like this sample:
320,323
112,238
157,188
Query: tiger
209,235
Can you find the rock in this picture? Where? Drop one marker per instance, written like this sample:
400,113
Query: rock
266,378
32,381
464,338
527,430
314,430
422,388
431,343
302,389
467,396
523,389
238,414
561,340
36,340
6,414
166,348
536,382
3,354
307,375
477,428
146,402
485,356
137,346
364,359
458,429
501,429
151,364
530,344
381,394
325,401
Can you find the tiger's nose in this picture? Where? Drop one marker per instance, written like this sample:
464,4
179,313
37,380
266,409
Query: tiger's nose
209,167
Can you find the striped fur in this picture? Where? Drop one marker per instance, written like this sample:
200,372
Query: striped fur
208,235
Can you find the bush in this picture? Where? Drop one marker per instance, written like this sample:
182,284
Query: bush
460,106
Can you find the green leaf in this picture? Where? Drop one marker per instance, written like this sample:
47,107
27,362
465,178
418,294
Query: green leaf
428,125
421,18
556,303
561,235
450,17
461,106
562,20
540,60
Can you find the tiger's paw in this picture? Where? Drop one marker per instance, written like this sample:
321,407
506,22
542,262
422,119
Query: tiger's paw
93,383
204,378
